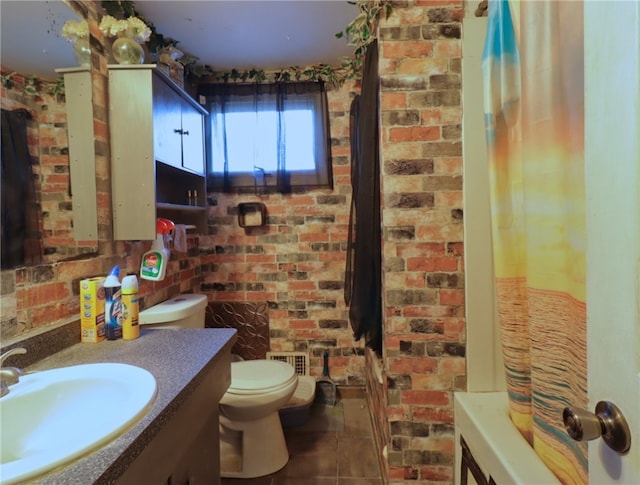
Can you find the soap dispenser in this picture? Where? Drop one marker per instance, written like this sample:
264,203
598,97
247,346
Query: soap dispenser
155,261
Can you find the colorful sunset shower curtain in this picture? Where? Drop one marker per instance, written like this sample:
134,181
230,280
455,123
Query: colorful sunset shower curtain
534,96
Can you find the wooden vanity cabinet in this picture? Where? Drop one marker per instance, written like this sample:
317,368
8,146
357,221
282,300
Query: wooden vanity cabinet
157,152
187,449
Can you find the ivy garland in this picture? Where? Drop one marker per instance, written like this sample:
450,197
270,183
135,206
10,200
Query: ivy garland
360,33
33,86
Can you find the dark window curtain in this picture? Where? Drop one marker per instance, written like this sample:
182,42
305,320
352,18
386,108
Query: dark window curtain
279,97
363,275
21,242
354,119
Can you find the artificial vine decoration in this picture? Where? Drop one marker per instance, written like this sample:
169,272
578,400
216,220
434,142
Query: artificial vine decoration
316,72
6,81
33,86
360,32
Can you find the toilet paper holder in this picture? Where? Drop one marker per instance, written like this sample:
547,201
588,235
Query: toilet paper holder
252,214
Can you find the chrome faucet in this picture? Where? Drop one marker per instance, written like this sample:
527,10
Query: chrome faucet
9,375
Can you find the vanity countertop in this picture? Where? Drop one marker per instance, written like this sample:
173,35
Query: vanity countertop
177,359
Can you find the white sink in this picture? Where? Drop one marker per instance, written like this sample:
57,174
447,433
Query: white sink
52,417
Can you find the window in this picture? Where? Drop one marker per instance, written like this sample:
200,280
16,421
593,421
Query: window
269,137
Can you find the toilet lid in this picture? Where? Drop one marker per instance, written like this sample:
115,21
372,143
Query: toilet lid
176,308
259,375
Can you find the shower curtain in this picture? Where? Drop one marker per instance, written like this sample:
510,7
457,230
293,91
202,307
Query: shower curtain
534,95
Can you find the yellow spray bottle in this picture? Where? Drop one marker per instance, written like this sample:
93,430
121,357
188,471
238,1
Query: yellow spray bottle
130,308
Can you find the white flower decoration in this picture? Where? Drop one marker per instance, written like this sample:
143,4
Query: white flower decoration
73,30
135,27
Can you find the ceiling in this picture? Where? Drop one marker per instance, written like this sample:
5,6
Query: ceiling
30,39
225,34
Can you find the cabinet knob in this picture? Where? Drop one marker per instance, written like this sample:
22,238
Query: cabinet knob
176,130
185,132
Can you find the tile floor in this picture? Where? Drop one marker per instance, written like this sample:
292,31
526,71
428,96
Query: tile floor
334,446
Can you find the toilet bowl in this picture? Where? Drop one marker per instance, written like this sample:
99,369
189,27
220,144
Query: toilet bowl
252,442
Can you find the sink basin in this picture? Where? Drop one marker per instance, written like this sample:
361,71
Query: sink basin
52,417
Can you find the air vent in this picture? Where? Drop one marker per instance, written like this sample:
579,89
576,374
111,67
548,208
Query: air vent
299,360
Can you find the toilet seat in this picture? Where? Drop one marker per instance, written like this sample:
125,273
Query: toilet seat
260,376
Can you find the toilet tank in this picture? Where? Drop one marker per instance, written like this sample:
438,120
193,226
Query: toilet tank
182,311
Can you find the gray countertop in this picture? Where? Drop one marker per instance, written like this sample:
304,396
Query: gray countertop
176,358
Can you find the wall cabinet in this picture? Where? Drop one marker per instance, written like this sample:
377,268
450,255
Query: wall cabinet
157,152
178,129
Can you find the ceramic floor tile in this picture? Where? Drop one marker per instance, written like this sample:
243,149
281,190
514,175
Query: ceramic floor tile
359,481
322,418
357,457
247,481
311,455
356,417
304,481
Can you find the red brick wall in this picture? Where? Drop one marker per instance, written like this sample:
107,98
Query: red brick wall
423,280
296,262
377,398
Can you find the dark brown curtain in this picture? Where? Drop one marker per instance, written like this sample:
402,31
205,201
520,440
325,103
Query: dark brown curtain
363,275
21,242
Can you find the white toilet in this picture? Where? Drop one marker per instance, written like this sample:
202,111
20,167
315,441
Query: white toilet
252,442
182,311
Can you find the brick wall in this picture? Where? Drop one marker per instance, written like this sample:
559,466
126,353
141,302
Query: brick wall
421,166
296,262
377,398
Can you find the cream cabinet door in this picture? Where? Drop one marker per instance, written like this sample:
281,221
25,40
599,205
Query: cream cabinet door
192,139
167,127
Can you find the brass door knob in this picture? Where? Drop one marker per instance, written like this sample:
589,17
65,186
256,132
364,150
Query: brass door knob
608,422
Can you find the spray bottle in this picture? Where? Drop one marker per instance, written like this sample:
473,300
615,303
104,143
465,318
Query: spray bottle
155,261
130,308
113,305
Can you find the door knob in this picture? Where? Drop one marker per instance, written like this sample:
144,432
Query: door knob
608,422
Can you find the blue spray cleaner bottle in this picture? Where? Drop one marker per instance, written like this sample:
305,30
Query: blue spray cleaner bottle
113,305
